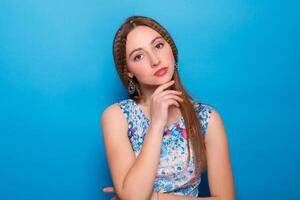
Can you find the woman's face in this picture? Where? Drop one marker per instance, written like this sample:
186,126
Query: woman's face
146,53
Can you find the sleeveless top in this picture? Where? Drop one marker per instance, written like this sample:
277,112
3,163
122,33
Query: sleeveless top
174,174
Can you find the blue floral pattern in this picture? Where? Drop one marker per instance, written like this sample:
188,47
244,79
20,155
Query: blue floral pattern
175,174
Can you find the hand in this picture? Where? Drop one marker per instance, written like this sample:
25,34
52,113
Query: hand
110,189
160,102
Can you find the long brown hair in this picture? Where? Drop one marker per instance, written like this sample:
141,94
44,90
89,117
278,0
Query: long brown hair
191,119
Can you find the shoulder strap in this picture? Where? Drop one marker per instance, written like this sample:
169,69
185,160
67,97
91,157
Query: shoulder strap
204,111
125,106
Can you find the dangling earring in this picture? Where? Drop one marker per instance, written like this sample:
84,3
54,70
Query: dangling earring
131,86
176,66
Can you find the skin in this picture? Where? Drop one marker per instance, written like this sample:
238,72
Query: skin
143,63
161,106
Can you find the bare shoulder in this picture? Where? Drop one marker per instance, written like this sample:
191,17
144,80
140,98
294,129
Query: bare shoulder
111,111
215,119
215,128
113,114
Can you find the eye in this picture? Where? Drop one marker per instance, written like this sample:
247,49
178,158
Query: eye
137,57
159,44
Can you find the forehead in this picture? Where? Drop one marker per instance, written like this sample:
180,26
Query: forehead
140,36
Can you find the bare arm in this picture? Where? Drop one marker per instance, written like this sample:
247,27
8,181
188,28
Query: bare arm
164,196
132,178
219,168
220,176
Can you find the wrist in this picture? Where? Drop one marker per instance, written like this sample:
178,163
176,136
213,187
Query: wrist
156,127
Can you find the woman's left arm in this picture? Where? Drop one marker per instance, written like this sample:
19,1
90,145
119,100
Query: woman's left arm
220,176
219,171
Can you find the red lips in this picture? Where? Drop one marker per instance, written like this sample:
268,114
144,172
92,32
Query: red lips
161,71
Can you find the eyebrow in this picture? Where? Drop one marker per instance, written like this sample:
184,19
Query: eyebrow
141,48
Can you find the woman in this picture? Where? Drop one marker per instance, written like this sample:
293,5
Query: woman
158,141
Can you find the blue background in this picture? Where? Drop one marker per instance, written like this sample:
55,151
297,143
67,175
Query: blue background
57,76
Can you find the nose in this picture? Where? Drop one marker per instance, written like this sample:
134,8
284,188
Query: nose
155,61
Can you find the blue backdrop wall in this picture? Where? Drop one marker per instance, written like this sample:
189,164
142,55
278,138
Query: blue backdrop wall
57,76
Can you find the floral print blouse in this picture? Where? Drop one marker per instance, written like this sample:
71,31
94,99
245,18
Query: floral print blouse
174,174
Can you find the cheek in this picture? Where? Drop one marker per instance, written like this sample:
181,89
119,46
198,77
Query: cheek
140,70
169,54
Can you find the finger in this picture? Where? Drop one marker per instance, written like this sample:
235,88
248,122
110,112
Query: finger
163,86
165,92
108,189
172,96
172,102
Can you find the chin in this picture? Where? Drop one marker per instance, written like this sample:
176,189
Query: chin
164,80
